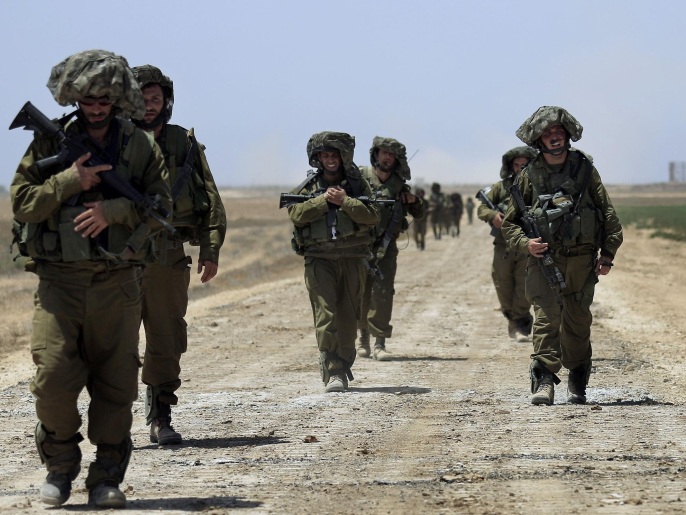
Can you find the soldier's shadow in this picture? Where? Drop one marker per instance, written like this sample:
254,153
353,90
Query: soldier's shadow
396,390
426,358
190,504
220,443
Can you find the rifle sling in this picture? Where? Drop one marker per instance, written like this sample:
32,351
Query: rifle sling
186,171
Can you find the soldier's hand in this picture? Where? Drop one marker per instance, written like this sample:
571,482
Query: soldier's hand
92,221
210,270
603,266
497,220
335,195
88,175
537,247
408,198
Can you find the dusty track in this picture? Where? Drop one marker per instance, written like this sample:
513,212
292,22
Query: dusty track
444,428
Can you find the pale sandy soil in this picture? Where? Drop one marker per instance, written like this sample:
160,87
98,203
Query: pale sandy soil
446,427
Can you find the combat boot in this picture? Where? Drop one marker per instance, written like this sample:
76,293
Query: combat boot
576,384
57,487
63,461
363,350
337,383
542,384
161,432
107,495
523,328
380,352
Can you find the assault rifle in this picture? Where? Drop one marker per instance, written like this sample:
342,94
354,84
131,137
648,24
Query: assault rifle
482,195
288,199
30,118
546,263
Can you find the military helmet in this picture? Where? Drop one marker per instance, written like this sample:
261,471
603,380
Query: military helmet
327,141
510,155
97,73
435,188
394,147
544,118
149,74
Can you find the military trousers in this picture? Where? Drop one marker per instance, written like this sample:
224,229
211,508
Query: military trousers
335,287
87,336
165,300
509,276
377,300
562,335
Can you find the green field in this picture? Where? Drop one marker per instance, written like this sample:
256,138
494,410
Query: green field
663,214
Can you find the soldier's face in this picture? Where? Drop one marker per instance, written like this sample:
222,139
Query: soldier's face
518,163
330,160
154,102
554,137
386,160
95,109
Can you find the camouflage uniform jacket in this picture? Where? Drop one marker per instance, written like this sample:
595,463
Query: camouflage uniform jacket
500,197
391,189
199,214
353,221
596,209
38,199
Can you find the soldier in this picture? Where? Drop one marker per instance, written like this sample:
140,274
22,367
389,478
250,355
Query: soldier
388,178
199,219
420,223
577,222
456,210
469,206
436,202
87,243
509,267
333,233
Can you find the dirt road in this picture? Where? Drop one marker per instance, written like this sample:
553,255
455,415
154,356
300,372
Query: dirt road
446,427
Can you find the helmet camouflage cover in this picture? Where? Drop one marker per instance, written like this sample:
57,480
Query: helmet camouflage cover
149,74
544,118
510,155
327,141
397,149
97,73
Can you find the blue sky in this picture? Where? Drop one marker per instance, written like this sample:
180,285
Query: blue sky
451,79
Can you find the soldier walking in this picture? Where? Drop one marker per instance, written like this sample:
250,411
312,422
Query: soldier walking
200,220
87,243
333,232
508,270
581,231
388,178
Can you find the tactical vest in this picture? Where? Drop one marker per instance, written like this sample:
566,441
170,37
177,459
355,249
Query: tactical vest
319,230
55,240
391,190
192,202
564,211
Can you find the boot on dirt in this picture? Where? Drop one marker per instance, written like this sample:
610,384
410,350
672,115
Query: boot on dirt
57,487
107,495
363,349
337,383
542,384
161,431
380,352
523,328
576,384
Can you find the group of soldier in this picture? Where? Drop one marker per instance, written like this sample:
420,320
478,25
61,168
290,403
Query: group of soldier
110,257
87,234
551,243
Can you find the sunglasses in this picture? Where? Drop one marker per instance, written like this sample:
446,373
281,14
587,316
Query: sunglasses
91,101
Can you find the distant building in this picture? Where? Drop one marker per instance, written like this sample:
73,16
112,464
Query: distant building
677,171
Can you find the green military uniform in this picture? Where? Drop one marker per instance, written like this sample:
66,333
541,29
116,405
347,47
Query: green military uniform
456,210
200,219
469,206
87,307
589,225
377,303
420,224
508,269
436,206
334,241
